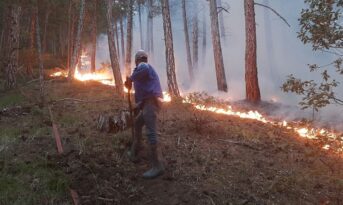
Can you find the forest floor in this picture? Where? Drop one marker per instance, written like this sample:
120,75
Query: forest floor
211,158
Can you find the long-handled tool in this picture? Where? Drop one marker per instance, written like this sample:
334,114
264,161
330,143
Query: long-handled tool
131,113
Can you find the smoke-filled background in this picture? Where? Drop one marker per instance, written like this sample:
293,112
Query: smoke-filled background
279,53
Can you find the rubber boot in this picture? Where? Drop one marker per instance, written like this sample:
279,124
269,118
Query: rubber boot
157,167
134,149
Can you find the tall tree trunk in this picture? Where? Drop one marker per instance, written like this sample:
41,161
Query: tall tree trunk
188,47
29,68
40,61
170,59
113,54
251,79
93,57
217,50
122,38
140,24
46,23
117,39
150,28
129,39
204,38
195,38
221,22
77,43
11,63
70,33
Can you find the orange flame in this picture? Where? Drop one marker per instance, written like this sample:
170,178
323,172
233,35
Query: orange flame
107,79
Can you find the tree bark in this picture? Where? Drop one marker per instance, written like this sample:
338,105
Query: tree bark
40,61
70,35
217,50
117,39
122,38
150,28
46,23
129,39
170,59
251,79
11,63
77,43
93,55
113,54
187,43
195,32
29,68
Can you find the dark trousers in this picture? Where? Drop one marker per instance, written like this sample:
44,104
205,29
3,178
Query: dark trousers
148,117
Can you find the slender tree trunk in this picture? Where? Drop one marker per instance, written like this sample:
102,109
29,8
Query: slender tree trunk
221,22
122,38
170,59
140,24
93,57
129,39
195,38
251,79
11,63
113,54
217,50
150,28
70,35
77,43
204,38
29,69
46,23
40,61
117,39
188,47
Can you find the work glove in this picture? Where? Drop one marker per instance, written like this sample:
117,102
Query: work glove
128,83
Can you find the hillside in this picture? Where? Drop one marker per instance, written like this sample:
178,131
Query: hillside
211,158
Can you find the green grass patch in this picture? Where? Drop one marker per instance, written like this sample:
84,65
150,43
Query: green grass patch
35,183
11,99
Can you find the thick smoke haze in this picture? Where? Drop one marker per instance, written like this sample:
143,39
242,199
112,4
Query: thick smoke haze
279,53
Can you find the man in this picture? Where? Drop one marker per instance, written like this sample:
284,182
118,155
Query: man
148,96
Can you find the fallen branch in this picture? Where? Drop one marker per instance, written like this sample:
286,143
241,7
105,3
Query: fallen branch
241,143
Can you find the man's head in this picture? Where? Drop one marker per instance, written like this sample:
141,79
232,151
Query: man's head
141,57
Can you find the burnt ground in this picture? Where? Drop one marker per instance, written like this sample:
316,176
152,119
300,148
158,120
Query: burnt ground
211,158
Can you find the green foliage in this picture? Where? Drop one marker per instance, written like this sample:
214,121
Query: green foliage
321,27
315,95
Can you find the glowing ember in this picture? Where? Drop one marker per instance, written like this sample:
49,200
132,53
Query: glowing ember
166,97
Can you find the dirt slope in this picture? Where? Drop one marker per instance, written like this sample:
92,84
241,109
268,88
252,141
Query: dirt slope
211,159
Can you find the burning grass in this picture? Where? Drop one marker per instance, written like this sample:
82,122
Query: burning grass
212,158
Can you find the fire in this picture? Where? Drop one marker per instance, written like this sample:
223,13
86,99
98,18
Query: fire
105,77
305,132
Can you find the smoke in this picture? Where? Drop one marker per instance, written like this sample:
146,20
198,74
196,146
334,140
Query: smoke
279,54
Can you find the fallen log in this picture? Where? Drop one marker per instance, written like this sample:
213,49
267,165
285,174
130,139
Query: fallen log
114,123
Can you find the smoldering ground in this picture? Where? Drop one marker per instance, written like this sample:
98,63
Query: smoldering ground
279,54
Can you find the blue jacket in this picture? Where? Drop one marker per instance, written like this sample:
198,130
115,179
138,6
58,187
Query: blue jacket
146,82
